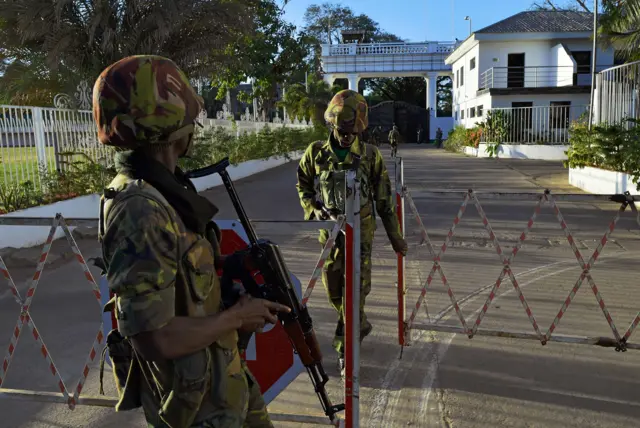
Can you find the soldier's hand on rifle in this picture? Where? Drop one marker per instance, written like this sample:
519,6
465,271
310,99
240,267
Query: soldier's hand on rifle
400,246
255,313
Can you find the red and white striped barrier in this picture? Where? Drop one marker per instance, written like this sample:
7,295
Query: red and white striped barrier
618,341
350,224
25,317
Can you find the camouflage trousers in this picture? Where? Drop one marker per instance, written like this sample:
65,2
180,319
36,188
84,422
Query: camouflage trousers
254,414
333,276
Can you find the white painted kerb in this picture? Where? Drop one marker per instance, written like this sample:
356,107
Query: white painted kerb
88,206
600,181
521,151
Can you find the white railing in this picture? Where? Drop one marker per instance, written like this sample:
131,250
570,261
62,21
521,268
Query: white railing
617,94
396,48
534,77
530,77
35,140
546,125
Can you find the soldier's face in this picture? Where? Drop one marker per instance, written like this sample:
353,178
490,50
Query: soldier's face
343,137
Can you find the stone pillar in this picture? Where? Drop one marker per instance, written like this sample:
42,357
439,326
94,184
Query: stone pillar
432,103
354,79
432,99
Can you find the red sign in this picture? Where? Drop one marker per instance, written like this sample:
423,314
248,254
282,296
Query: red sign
269,355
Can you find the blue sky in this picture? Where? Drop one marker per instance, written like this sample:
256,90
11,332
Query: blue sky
420,20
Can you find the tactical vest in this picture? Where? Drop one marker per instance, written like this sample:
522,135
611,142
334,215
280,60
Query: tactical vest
331,178
189,389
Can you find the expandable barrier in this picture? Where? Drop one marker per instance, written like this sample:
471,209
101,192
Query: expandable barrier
350,225
619,340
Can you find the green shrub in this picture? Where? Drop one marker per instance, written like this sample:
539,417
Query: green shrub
83,176
460,137
612,147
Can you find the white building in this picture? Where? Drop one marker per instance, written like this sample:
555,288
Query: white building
538,62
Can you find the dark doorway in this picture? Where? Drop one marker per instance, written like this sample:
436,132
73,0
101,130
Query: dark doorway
583,62
407,117
515,73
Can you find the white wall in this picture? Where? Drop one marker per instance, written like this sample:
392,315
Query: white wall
468,90
88,206
600,181
539,100
526,151
484,100
560,57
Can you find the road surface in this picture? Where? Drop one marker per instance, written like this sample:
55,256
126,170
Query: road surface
443,379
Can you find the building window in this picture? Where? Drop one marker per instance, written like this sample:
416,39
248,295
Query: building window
479,111
559,114
462,114
457,78
462,76
472,63
472,112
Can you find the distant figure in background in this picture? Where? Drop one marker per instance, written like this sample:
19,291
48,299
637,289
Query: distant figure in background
420,131
439,138
394,137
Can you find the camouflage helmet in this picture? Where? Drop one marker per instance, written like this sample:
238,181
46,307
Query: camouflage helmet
348,111
144,100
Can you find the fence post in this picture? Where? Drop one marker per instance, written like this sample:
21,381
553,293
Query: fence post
40,140
399,180
352,302
596,99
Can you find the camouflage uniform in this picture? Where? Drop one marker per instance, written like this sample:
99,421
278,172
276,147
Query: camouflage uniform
394,137
158,267
326,161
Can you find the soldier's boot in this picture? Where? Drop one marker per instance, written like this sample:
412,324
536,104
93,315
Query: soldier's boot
338,344
366,330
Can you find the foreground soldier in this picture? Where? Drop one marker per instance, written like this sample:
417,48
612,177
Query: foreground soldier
186,369
327,161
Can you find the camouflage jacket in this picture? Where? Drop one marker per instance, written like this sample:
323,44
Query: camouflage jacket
320,163
159,269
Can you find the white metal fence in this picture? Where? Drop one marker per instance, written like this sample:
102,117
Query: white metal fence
36,140
617,94
547,125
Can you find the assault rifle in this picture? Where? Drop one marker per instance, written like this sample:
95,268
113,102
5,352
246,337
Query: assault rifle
265,256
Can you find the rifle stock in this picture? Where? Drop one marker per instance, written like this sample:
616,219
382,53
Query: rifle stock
278,287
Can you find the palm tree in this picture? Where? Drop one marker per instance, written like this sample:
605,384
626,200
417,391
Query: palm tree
77,39
620,26
309,104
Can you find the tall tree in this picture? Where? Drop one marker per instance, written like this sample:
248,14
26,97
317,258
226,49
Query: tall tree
444,95
326,21
575,5
303,103
270,56
77,39
620,27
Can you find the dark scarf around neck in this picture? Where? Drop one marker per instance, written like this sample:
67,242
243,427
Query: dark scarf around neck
194,210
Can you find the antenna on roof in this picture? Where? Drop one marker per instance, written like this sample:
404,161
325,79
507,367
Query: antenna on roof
453,19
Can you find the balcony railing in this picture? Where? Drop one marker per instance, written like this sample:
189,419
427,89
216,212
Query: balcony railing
534,77
548,125
399,48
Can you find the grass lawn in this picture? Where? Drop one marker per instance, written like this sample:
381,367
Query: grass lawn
16,161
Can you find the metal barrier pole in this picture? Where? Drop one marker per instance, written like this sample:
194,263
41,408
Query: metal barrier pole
352,302
400,258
